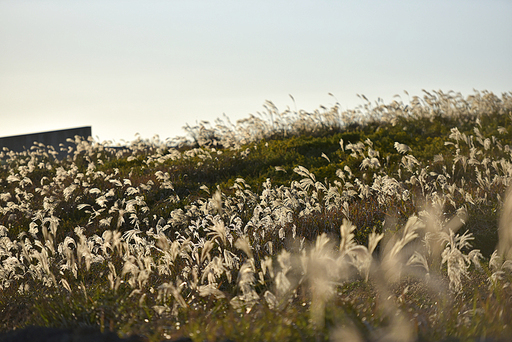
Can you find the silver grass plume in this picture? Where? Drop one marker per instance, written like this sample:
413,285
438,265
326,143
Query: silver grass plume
505,228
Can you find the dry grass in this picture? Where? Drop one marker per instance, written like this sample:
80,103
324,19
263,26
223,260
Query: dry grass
372,241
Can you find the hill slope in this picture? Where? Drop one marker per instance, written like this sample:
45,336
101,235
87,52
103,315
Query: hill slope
277,218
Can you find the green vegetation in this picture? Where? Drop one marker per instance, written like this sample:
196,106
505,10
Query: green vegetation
380,223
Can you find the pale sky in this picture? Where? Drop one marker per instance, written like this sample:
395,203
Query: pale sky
150,67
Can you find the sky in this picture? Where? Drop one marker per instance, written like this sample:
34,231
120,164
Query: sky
151,67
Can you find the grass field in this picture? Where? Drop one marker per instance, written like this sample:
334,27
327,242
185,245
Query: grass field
390,222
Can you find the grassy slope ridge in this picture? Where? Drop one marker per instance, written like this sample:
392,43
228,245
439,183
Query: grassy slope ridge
380,222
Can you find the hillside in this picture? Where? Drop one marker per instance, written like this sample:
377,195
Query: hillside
380,222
